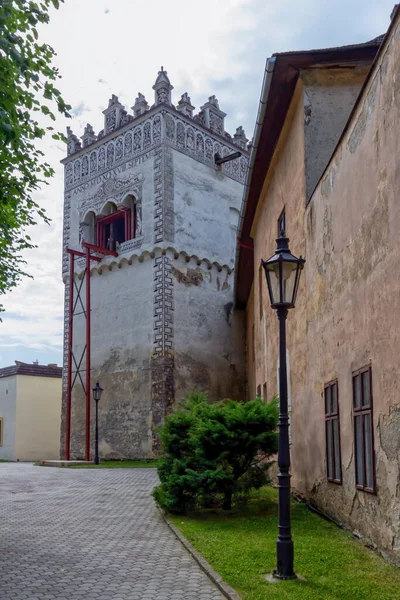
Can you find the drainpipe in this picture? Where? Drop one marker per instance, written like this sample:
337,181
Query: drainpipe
268,73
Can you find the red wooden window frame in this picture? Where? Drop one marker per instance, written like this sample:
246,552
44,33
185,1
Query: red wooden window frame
363,415
115,216
332,433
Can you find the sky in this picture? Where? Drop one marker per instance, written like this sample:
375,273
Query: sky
117,47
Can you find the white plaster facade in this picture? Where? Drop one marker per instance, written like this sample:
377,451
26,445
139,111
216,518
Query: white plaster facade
30,412
161,321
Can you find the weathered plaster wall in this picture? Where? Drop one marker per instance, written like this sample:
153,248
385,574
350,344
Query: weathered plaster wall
280,191
209,335
8,395
38,416
352,240
122,329
349,296
329,96
206,208
251,336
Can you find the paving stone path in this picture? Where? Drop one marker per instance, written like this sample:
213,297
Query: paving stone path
87,534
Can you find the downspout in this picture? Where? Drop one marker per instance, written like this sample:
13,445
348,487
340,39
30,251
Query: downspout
266,85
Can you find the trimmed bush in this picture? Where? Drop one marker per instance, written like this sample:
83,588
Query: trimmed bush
212,451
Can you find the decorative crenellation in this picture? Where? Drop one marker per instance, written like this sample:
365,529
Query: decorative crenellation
240,138
141,105
88,137
142,138
212,116
185,106
158,195
116,116
132,143
66,230
162,368
162,362
112,115
164,222
162,89
130,252
194,142
73,144
163,306
66,335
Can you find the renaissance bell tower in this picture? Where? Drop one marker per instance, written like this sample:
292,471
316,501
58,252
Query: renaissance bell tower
151,209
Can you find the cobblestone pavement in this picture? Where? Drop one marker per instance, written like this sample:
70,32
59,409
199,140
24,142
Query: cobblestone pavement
86,534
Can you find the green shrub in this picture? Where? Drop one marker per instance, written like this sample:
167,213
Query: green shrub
210,451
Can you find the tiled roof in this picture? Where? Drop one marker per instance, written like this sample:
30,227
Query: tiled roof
375,42
21,368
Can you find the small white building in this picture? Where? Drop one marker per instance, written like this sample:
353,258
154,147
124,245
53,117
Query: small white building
30,411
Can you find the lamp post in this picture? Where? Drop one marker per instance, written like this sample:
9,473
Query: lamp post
282,272
97,392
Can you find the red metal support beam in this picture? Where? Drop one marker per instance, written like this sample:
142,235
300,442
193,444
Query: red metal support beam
83,254
69,359
88,354
86,310
98,249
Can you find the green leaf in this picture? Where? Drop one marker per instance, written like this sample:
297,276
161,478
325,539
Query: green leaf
25,69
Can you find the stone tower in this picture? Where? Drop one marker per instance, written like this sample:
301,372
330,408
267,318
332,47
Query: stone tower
162,319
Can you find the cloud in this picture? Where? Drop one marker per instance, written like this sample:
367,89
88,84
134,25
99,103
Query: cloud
213,48
81,108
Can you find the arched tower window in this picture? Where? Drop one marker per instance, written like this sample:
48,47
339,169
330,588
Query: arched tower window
116,224
89,228
130,204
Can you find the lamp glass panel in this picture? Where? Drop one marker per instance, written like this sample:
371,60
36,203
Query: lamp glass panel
289,279
273,276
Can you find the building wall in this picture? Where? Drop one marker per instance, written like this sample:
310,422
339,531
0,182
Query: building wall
122,328
280,191
8,389
251,336
329,96
348,300
206,210
209,335
38,414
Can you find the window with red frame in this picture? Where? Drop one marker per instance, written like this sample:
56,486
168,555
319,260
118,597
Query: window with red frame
115,228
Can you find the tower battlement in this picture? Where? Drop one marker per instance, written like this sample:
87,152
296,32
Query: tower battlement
116,116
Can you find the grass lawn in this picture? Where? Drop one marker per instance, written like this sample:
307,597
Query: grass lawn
119,464
240,545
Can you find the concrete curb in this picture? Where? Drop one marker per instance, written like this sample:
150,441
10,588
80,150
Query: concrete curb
226,589
64,463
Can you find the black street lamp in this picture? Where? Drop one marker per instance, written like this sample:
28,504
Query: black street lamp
282,272
97,392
